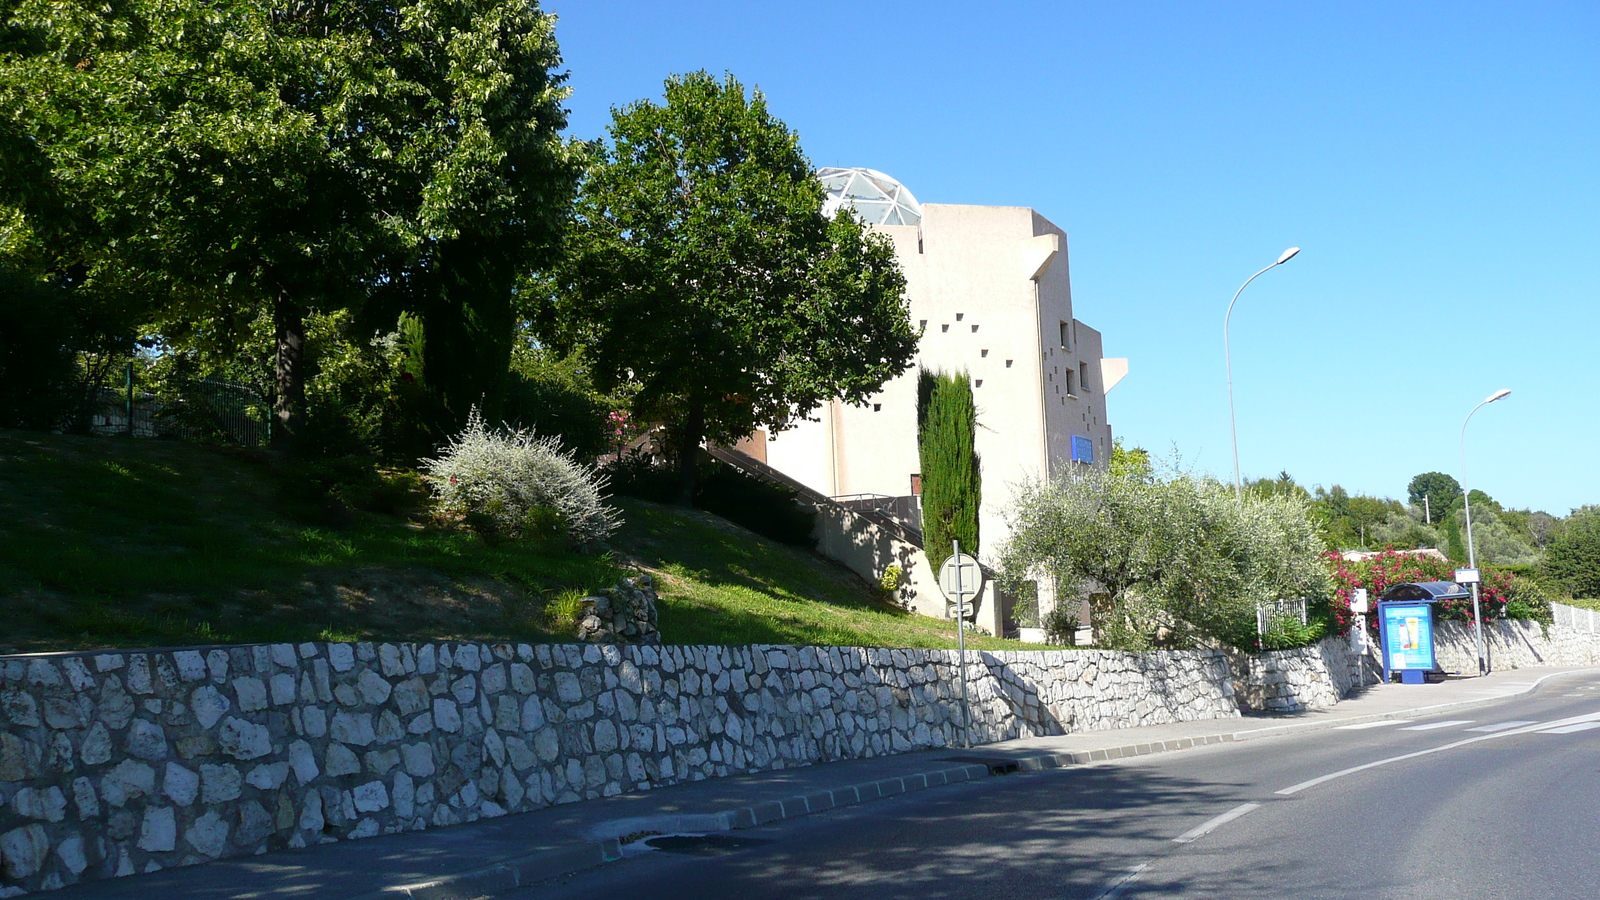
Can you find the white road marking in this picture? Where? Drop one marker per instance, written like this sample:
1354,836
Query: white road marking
1502,726
1362,725
1432,725
1323,779
1121,883
1569,729
1212,824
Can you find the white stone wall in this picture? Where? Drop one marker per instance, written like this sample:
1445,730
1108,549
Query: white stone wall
122,762
1305,678
1514,644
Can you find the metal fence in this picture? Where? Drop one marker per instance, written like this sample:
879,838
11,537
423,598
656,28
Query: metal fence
202,410
1278,610
1575,618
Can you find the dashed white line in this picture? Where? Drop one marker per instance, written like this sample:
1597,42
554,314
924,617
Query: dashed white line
1502,726
1215,822
1559,723
1121,883
1569,729
1432,725
1359,726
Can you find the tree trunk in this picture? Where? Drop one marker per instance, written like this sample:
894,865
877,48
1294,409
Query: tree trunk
289,409
694,426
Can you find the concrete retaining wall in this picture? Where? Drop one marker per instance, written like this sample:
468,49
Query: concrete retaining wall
116,763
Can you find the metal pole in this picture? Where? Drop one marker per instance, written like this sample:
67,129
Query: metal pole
961,644
1472,551
129,376
1227,356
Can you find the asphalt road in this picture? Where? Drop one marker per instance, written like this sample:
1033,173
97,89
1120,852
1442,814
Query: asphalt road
1485,804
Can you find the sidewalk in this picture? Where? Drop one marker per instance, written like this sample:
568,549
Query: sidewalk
470,861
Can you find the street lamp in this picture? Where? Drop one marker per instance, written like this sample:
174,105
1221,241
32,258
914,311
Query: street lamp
1227,355
1466,497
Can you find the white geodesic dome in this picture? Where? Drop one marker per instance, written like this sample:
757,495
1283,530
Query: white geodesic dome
875,197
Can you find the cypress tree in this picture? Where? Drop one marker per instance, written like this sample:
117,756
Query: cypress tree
952,480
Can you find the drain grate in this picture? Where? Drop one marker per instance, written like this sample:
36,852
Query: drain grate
998,765
704,844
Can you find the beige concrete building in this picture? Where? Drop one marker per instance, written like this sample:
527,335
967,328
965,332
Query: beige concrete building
991,289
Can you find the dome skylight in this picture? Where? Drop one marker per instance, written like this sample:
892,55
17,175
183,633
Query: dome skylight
875,197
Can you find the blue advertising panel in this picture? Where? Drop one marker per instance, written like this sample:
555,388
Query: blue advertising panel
1406,630
1082,449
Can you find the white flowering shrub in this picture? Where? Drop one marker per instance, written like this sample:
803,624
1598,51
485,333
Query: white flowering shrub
512,484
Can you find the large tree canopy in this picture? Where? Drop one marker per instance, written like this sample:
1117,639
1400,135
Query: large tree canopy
703,270
292,156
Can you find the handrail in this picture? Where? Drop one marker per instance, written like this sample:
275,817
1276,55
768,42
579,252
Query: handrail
760,470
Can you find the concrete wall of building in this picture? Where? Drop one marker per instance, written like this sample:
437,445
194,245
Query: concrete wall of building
990,288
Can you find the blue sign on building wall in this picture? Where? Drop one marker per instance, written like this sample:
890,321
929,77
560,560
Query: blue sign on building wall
1082,449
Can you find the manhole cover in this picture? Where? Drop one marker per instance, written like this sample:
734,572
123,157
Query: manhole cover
704,844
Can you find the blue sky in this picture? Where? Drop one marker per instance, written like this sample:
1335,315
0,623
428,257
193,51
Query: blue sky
1438,163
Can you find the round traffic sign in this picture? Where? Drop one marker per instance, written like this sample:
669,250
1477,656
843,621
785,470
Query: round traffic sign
960,578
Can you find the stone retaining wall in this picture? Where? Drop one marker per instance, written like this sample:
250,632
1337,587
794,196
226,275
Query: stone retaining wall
123,762
1305,678
1514,644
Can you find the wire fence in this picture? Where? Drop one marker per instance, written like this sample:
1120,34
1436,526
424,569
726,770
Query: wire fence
201,410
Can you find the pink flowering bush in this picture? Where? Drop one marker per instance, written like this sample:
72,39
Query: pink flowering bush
1390,568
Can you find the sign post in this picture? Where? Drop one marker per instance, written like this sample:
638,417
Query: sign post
961,578
1473,577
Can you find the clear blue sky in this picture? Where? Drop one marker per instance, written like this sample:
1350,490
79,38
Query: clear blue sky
1439,164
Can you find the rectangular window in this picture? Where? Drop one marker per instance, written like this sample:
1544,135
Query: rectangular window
1083,376
1069,382
1066,333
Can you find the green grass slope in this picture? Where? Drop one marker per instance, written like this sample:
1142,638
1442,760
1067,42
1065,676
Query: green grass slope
111,542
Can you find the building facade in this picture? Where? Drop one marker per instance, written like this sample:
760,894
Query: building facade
991,290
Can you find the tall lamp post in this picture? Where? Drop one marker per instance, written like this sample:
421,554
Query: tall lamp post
1227,356
1466,497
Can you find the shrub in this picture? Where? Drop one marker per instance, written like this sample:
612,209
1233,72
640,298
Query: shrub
508,483
1390,568
1176,559
952,479
562,613
1573,558
890,582
1060,625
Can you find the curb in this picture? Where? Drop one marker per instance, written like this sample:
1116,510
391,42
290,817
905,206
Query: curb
602,842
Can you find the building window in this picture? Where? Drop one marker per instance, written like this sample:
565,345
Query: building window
1066,333
1008,363
959,315
1083,376
1069,382
916,484
974,329
983,353
945,327
877,407
978,382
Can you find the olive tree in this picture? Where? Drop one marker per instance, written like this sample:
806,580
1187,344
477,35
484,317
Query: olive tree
1177,557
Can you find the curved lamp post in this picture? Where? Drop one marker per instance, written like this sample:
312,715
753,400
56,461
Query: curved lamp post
1466,498
1227,356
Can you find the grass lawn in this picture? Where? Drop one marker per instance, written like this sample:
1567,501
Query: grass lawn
115,542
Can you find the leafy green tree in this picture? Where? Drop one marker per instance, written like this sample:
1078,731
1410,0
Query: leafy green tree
1573,557
1282,486
952,477
1178,557
702,270
235,159
1440,490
